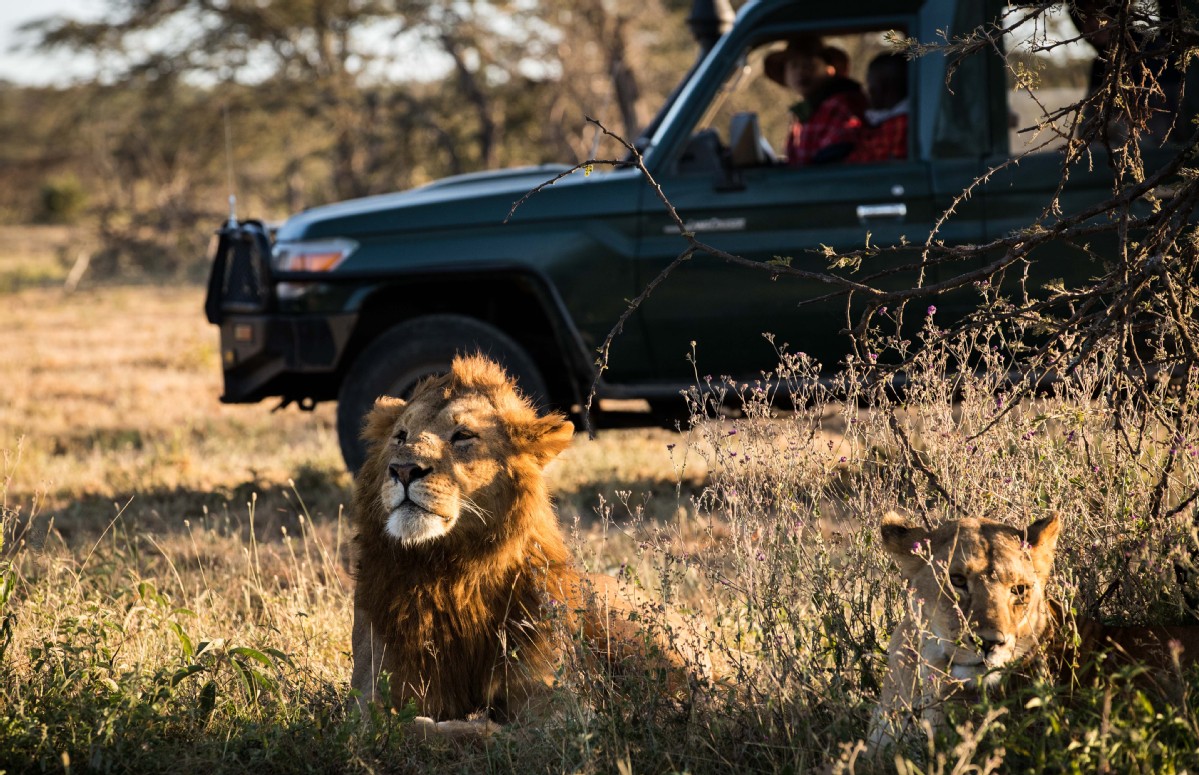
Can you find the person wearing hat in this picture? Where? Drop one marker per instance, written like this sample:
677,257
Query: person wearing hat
826,121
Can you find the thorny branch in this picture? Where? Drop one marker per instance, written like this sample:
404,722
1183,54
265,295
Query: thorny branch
1138,313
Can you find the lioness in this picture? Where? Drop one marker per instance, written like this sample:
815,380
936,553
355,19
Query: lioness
978,603
463,575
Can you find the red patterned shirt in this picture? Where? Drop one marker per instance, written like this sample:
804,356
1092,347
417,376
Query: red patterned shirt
884,142
834,124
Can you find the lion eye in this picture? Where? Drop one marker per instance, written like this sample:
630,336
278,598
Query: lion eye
1019,590
462,434
401,437
958,580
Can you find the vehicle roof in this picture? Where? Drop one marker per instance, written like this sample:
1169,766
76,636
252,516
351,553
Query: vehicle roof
759,11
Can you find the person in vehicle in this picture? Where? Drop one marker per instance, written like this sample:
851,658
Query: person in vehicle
826,121
837,59
884,135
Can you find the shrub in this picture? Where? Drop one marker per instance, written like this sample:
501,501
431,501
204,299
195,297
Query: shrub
63,200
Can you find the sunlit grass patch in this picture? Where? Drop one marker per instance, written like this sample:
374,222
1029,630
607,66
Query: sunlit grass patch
176,576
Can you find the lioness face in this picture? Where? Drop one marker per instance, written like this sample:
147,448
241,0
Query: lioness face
978,588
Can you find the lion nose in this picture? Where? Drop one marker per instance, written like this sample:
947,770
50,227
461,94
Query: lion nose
988,643
406,473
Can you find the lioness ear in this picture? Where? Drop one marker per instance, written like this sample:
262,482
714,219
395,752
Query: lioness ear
900,540
545,437
377,425
1041,537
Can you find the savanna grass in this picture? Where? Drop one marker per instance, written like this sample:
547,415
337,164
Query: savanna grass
804,602
213,634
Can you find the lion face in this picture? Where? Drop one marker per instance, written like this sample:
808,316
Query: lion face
978,589
446,462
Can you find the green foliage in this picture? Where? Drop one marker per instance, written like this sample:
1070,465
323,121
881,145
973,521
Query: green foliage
7,576
1111,723
75,700
63,199
7,584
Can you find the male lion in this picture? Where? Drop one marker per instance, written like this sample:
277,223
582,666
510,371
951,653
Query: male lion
978,603
463,576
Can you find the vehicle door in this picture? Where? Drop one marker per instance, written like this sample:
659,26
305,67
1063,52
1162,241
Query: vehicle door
776,215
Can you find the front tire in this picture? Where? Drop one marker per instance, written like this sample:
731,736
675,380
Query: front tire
405,354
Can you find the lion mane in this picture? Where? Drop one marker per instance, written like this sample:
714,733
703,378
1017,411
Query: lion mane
464,580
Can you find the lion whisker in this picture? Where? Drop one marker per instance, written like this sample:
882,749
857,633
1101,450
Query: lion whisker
470,507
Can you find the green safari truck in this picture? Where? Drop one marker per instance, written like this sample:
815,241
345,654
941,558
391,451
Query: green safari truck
357,299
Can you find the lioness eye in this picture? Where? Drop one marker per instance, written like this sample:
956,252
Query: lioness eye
401,437
1019,590
462,434
958,580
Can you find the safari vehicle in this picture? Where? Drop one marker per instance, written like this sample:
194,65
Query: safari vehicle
353,300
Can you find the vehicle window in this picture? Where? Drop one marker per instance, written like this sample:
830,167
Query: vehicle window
1044,76
1055,59
757,88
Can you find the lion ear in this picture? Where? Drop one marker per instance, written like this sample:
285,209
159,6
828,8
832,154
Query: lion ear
901,540
545,437
1041,537
379,421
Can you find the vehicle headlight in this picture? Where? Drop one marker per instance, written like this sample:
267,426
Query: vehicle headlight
314,256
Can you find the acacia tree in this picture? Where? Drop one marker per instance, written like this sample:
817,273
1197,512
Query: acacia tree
380,94
291,103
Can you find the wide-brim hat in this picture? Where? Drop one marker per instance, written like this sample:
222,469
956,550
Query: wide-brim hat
775,64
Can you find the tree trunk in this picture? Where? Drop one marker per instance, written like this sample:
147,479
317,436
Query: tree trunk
488,133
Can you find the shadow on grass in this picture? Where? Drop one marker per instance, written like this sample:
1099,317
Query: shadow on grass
319,495
655,499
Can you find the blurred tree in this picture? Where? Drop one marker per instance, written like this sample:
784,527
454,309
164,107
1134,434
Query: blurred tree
63,199
306,48
323,100
616,60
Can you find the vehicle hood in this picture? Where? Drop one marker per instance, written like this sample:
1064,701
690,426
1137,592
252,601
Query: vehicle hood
485,198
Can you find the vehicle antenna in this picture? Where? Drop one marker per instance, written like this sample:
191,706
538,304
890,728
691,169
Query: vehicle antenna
599,134
595,143
229,167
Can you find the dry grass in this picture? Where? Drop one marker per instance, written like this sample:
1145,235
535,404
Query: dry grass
146,515
174,590
114,394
